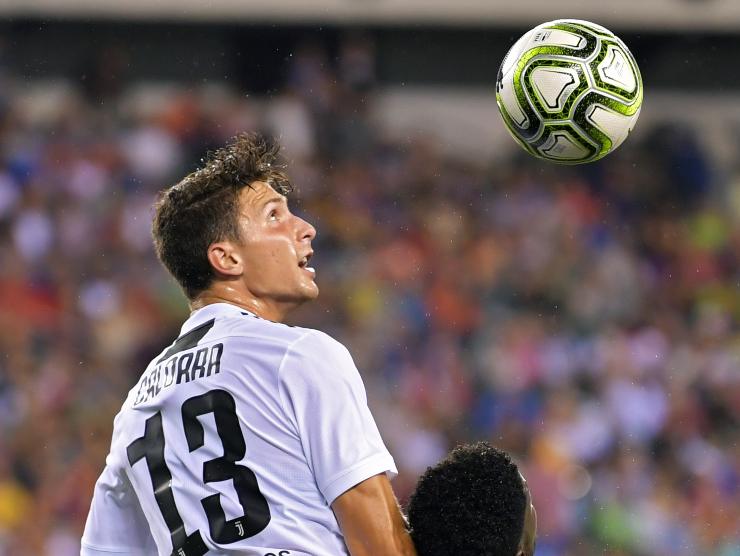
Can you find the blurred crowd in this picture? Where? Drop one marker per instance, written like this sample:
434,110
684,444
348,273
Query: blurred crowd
585,319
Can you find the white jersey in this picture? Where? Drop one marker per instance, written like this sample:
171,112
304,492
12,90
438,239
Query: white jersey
236,440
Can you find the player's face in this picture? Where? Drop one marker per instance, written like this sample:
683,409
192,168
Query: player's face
275,250
529,534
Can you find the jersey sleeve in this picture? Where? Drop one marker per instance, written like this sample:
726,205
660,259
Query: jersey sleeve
116,522
324,396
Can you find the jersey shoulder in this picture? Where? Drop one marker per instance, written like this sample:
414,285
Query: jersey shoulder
296,339
256,331
312,343
317,358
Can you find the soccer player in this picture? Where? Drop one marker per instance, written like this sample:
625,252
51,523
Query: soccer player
245,435
475,502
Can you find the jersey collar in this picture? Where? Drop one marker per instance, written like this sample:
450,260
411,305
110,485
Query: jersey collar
214,310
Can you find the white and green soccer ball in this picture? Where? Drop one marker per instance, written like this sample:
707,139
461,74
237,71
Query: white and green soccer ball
569,91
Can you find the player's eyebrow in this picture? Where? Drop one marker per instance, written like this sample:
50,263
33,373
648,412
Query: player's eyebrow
271,200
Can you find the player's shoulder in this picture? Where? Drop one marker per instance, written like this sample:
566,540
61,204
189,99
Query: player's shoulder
251,327
312,342
246,326
304,354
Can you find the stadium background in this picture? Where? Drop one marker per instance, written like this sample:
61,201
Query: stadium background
586,319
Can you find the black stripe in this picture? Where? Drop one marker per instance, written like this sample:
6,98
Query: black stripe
189,340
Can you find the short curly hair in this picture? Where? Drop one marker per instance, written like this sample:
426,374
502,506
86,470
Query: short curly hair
472,503
202,208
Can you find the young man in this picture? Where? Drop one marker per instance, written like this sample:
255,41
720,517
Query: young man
475,502
245,436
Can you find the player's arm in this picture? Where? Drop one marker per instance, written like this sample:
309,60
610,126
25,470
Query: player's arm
371,520
324,396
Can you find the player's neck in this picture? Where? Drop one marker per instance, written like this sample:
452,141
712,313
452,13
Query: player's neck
265,309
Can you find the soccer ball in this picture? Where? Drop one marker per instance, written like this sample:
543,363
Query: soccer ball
569,91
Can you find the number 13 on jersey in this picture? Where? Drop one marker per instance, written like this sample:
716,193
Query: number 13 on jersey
150,447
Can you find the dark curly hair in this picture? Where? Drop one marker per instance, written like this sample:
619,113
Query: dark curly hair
202,208
472,503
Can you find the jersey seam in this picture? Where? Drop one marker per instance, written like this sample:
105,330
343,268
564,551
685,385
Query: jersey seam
288,350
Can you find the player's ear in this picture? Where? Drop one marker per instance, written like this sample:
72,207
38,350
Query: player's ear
225,259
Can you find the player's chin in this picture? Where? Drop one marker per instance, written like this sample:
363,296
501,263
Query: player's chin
308,290
311,291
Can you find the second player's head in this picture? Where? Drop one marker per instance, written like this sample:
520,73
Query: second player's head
225,232
475,502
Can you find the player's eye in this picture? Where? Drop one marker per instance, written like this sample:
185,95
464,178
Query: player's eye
273,215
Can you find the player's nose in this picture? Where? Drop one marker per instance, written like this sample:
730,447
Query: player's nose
305,230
